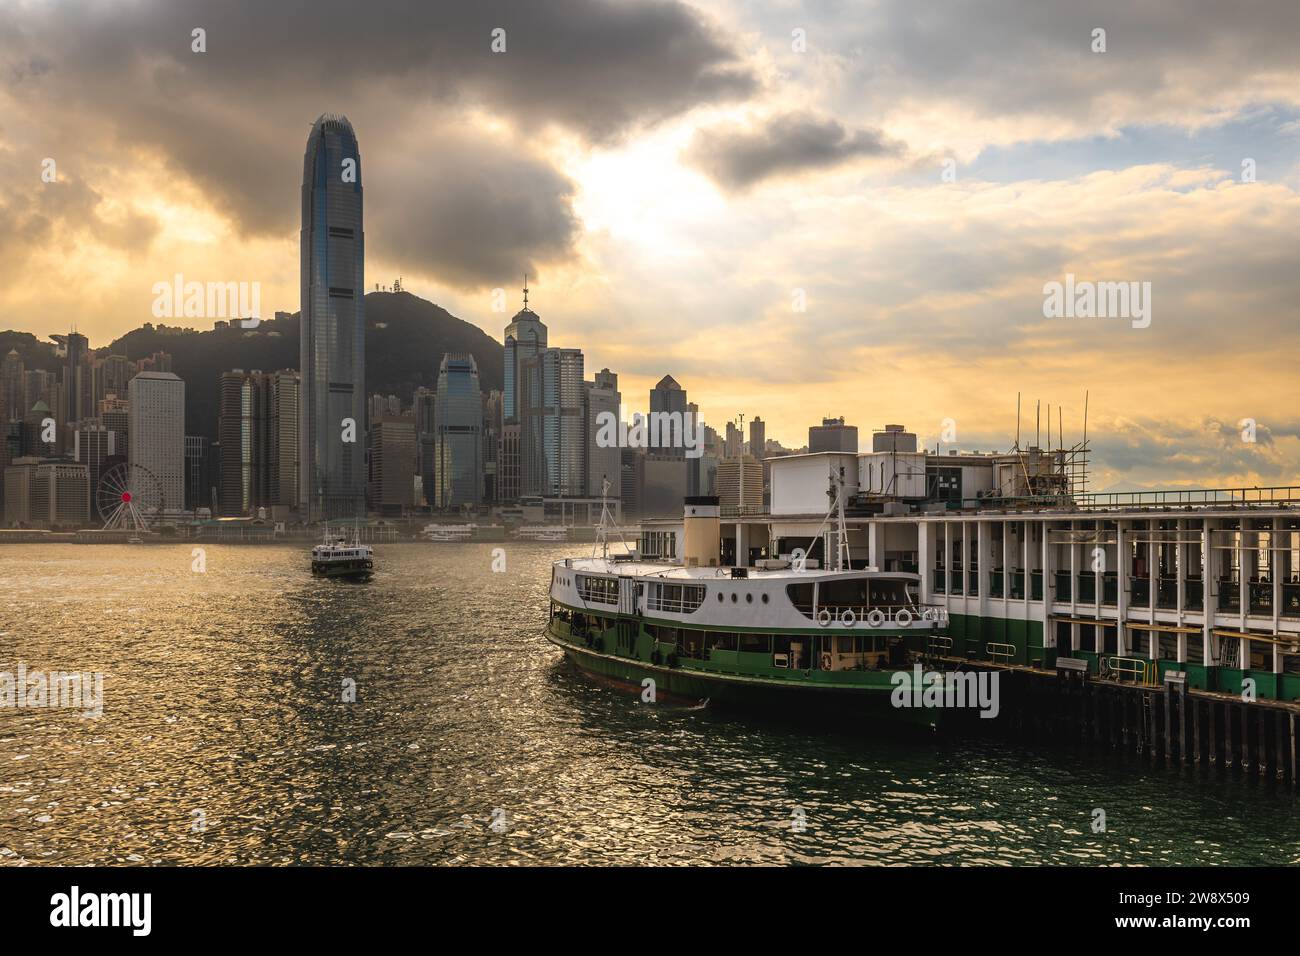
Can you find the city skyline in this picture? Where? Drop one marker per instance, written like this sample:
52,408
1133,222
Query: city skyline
888,240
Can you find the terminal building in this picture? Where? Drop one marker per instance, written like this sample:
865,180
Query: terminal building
1031,567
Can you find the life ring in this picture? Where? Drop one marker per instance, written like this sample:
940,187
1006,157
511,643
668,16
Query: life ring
823,617
848,618
903,618
875,617
826,662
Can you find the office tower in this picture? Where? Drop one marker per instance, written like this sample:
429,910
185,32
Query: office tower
491,442
39,386
11,388
424,407
632,480
199,480
554,437
61,496
331,403
284,437
602,398
115,414
392,464
833,435
669,398
35,431
733,445
92,446
525,339
157,440
246,431
509,461
76,379
381,405
111,377
758,438
458,434
157,362
20,491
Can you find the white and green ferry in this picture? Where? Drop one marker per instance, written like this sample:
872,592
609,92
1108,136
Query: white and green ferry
782,633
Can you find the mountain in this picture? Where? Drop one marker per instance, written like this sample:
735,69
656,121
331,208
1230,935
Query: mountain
406,338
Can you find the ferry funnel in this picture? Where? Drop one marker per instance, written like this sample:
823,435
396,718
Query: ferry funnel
703,534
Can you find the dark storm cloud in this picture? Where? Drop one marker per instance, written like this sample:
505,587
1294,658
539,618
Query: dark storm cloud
119,81
737,157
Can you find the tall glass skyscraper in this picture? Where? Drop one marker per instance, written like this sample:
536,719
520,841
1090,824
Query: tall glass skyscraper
458,434
332,477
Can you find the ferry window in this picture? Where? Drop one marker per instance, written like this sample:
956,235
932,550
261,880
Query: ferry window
755,643
719,641
598,590
676,598
801,595
765,598
733,597
719,595
749,598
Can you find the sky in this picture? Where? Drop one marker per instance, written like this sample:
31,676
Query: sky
797,209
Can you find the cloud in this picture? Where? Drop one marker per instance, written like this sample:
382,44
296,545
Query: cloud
106,87
737,157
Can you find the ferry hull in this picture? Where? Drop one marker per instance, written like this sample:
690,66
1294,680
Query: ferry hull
792,698
329,569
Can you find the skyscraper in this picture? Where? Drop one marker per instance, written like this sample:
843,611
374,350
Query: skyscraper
601,396
669,398
458,434
76,380
11,388
245,431
286,385
554,437
392,464
157,440
525,339
331,407
758,438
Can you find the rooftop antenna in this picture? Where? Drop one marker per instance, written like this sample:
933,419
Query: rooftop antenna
1017,421
1038,422
525,290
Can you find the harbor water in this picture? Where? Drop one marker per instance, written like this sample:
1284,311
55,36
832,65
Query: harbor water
253,714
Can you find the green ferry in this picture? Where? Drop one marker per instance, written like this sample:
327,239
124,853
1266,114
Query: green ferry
783,635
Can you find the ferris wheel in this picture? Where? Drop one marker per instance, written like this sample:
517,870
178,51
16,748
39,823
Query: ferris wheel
128,497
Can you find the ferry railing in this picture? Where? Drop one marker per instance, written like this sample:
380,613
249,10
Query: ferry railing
1062,585
1000,653
940,580
1291,599
1035,585
1273,495
1261,597
939,643
1142,672
1087,589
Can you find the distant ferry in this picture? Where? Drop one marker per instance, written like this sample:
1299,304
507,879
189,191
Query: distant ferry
783,634
448,532
543,533
339,558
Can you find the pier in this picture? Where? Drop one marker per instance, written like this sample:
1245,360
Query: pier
1170,723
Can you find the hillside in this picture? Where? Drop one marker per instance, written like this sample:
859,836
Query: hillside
405,341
